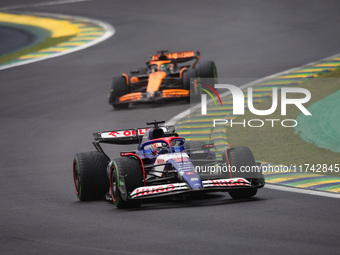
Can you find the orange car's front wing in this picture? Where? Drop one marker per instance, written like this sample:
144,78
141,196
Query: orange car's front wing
154,96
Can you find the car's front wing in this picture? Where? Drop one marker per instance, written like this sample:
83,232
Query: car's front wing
178,188
154,96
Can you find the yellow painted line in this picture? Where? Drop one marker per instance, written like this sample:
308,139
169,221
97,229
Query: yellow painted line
222,113
296,76
211,113
58,28
220,143
328,64
198,133
215,131
219,108
290,178
268,172
218,137
310,70
260,89
90,33
83,38
206,122
277,82
196,139
33,56
94,33
334,190
52,49
316,183
90,29
70,44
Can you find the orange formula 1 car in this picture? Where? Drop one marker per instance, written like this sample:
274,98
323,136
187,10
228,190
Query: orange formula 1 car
164,77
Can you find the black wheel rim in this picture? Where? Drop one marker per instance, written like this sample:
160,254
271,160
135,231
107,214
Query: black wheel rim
113,185
76,178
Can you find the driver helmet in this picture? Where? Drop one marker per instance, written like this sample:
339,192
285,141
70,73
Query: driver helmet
164,67
172,67
160,148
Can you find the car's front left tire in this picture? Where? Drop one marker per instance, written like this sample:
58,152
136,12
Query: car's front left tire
118,89
89,175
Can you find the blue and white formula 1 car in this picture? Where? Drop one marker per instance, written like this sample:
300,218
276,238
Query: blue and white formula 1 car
163,165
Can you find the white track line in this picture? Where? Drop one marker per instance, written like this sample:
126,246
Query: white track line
185,113
42,4
108,28
302,191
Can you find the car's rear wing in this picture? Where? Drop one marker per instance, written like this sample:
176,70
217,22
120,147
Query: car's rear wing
177,56
129,136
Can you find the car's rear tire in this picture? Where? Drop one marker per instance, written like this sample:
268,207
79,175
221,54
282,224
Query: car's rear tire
241,158
193,87
89,175
187,75
125,176
208,71
118,89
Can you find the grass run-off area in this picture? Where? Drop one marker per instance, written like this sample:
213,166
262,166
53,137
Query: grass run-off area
45,44
282,145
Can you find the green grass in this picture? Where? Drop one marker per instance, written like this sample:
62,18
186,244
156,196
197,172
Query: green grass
45,44
281,145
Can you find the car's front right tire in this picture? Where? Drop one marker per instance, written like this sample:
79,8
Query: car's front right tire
125,176
240,159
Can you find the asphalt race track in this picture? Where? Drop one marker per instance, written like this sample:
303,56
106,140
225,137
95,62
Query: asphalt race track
49,109
13,39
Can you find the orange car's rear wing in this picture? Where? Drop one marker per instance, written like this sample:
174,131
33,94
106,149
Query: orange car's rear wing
177,56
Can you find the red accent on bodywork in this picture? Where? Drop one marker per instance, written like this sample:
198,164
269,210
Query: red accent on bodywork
167,139
210,145
74,180
141,161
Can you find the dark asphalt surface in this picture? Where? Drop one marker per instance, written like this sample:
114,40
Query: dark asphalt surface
13,39
49,109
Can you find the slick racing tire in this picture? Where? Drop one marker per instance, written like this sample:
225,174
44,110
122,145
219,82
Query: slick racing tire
240,158
118,89
89,175
187,75
243,193
208,71
125,176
